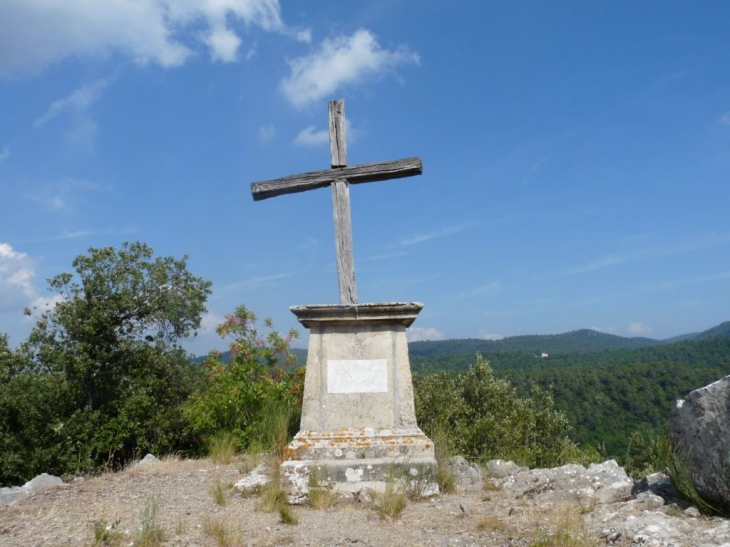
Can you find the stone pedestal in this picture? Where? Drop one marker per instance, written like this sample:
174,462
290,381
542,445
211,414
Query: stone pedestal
358,422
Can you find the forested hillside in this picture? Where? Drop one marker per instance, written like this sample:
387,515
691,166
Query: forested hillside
607,395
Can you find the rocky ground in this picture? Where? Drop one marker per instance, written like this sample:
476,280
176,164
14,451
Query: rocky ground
509,507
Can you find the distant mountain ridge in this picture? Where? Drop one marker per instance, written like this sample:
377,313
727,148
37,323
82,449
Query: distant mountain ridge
577,341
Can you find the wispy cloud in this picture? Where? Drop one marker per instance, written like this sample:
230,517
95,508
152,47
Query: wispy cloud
652,252
386,256
77,101
484,290
64,196
4,153
166,32
725,118
340,61
266,133
255,281
443,232
675,283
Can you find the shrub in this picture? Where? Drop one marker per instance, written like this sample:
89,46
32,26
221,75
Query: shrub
484,418
253,398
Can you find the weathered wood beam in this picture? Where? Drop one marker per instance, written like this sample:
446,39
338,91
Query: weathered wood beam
367,172
338,139
343,242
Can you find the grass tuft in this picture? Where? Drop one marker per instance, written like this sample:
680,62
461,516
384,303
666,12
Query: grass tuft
679,473
221,531
218,491
390,502
321,492
570,532
222,447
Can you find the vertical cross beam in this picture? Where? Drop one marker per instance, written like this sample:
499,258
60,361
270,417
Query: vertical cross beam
341,206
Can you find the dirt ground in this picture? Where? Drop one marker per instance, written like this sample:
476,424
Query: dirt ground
110,510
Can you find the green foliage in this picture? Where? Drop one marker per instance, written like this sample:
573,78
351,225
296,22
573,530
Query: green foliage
101,378
251,397
484,418
607,404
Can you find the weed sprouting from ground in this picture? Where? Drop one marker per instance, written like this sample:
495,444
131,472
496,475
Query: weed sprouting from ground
321,491
442,451
106,535
150,534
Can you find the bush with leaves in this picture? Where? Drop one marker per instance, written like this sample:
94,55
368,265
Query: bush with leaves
102,378
245,396
484,418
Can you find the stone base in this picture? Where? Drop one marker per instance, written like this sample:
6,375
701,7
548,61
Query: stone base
352,461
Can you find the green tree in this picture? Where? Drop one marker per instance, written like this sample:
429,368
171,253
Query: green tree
113,342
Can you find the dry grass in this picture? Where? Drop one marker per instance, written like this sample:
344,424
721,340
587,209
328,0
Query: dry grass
490,523
222,448
223,531
569,532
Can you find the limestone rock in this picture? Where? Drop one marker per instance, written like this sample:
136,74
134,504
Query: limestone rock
700,427
149,459
603,483
254,481
499,469
467,476
10,495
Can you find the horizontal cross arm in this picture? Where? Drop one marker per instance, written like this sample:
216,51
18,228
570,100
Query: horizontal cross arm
367,172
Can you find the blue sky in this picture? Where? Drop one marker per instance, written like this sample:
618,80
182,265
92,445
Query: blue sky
576,155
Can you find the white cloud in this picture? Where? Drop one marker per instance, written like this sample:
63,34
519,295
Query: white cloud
4,153
637,328
37,33
310,137
489,336
725,118
266,133
16,275
340,61
417,334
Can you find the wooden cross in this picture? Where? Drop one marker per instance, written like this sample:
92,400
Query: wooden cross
339,178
